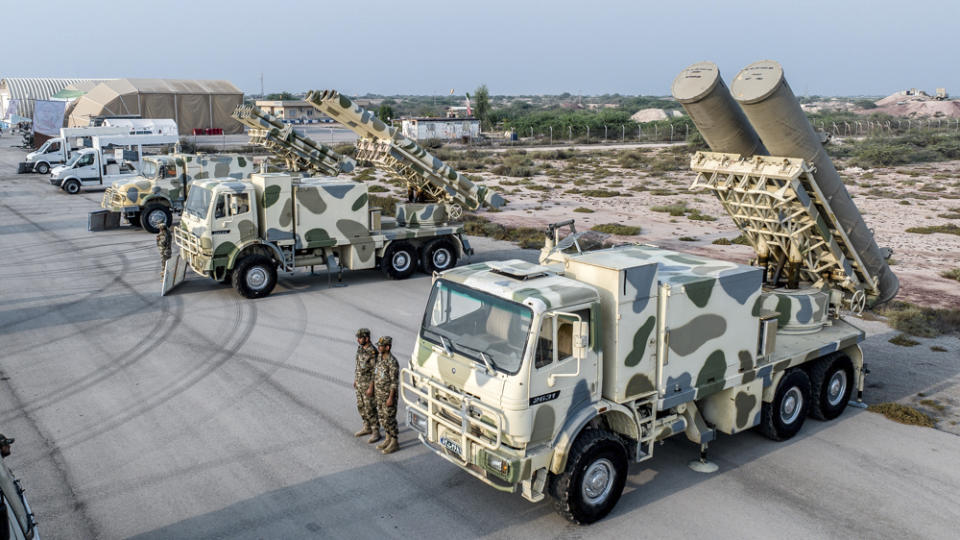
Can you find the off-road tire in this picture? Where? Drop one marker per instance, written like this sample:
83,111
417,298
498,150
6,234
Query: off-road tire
779,422
831,381
399,260
438,255
153,209
41,168
255,276
72,186
593,448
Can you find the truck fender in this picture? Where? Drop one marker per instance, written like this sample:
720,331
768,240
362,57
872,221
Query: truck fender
771,390
161,199
257,247
568,434
618,418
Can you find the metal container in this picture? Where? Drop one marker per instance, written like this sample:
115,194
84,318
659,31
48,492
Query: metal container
720,120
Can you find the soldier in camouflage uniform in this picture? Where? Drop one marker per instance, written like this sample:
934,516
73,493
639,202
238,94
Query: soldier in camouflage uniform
163,244
363,383
387,381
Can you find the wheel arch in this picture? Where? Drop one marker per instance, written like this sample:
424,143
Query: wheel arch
155,198
610,416
254,247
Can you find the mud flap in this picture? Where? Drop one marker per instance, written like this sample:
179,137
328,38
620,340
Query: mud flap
173,272
102,220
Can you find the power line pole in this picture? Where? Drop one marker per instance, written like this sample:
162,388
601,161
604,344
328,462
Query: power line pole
261,85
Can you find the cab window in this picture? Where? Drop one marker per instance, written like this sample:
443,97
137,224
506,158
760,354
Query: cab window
238,203
555,341
87,159
221,208
169,171
54,146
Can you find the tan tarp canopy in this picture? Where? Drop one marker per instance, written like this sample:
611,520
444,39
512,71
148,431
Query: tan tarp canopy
191,103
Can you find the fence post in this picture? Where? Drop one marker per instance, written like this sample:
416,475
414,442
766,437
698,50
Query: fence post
588,134
570,130
604,132
671,132
656,132
551,134
623,133
639,132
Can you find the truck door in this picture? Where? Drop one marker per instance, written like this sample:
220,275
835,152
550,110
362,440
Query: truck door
554,359
232,217
55,152
87,168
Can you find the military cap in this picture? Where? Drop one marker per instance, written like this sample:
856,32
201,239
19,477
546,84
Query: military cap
385,340
4,441
363,332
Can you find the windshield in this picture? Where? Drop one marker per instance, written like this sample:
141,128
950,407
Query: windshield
198,202
477,325
149,169
73,160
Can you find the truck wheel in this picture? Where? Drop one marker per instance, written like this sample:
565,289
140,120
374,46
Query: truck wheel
831,380
399,260
593,480
782,418
153,215
72,187
42,168
255,276
438,255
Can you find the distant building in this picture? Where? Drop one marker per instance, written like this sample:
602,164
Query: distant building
295,111
448,129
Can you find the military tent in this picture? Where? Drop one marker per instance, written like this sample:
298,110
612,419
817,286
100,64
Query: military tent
191,103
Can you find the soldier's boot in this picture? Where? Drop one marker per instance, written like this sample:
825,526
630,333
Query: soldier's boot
392,445
375,437
385,442
363,431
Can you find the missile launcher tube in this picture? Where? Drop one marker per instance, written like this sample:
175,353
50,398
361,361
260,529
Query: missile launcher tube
440,175
284,141
703,94
776,115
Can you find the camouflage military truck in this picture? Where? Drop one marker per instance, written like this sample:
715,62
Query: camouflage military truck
549,378
163,185
243,231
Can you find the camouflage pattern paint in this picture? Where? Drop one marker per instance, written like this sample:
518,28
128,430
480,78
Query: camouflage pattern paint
130,196
403,156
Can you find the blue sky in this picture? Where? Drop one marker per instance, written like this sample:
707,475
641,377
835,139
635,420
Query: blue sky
428,47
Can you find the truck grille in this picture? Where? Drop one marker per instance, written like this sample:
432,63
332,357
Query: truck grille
450,413
191,250
113,199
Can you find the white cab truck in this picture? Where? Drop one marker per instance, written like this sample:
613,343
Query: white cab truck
112,158
59,150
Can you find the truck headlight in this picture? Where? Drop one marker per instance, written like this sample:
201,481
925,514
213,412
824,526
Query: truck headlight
498,465
416,421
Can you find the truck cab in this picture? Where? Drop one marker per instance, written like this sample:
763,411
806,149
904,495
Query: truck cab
163,185
91,169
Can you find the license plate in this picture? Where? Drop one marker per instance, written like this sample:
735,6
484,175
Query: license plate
452,446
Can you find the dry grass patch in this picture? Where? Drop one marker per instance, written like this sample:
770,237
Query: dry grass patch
903,414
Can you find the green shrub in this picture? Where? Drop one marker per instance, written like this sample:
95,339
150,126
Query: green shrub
952,274
377,189
583,210
920,321
676,209
618,229
949,228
